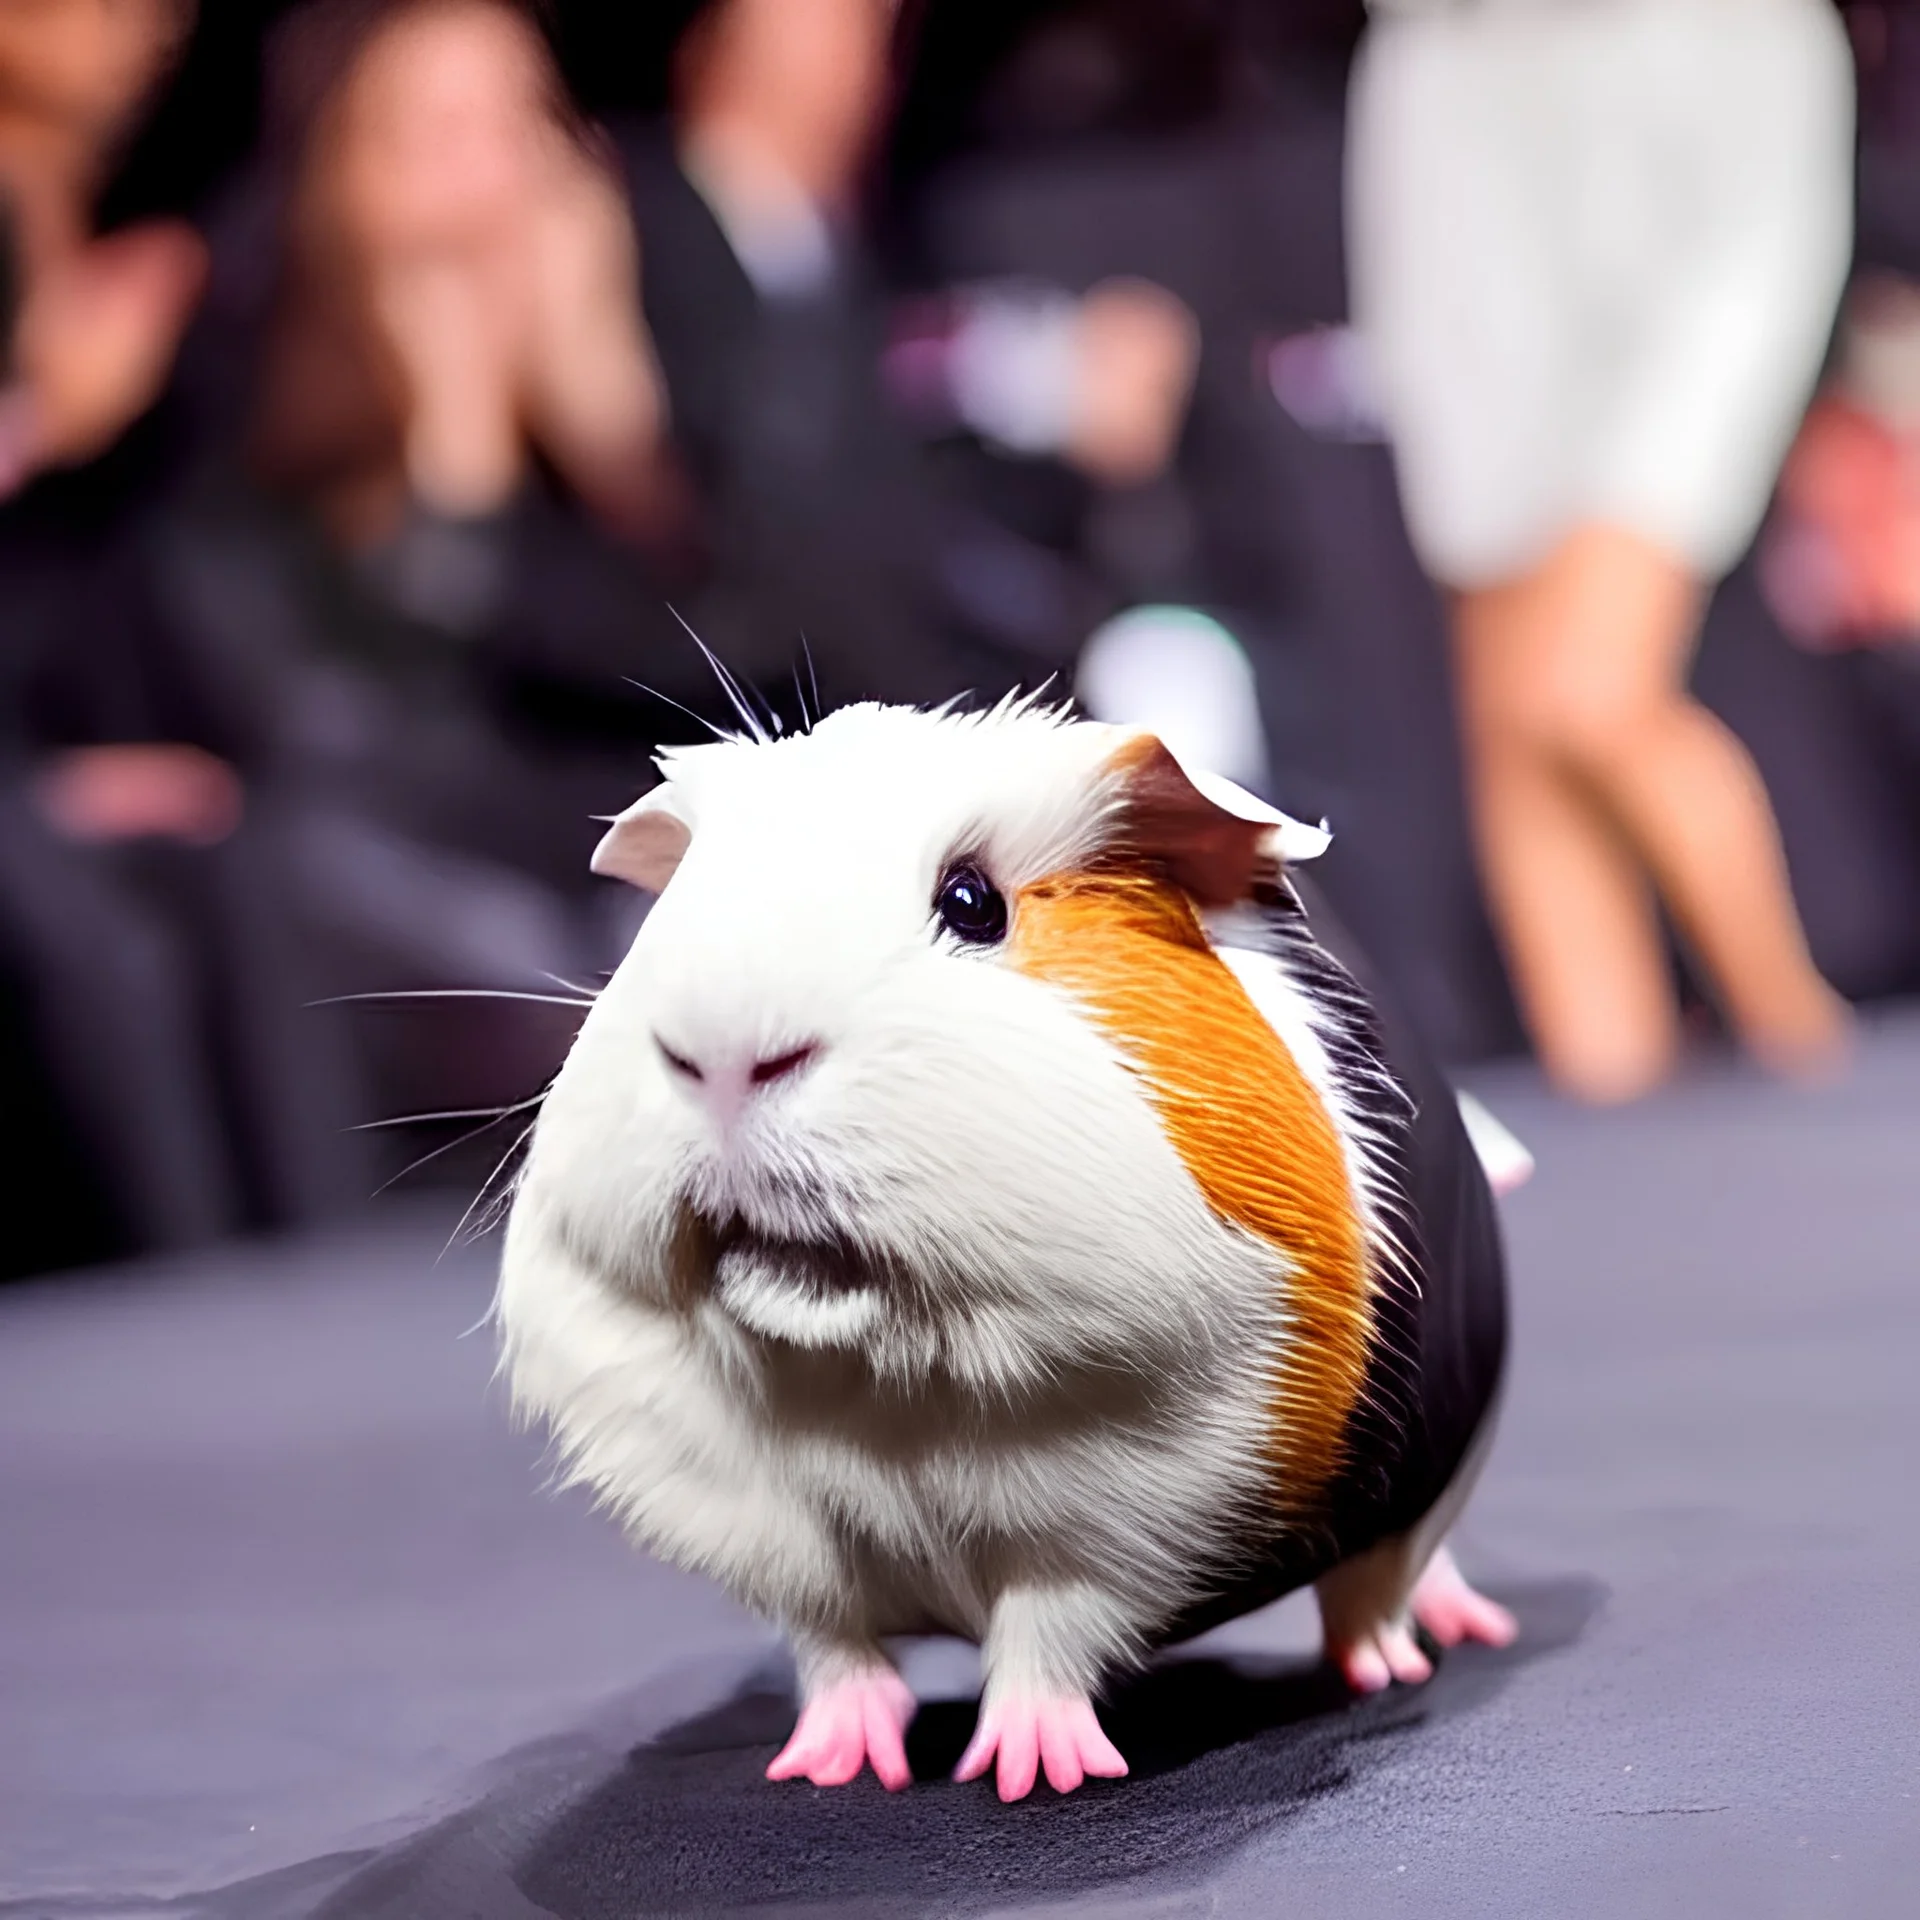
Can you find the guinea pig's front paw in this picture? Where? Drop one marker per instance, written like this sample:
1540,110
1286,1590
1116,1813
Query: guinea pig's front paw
846,1727
1063,1736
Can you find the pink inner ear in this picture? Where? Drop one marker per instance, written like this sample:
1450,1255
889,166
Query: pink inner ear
643,847
1214,855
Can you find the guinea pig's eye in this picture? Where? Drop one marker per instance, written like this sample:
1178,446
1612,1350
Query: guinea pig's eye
971,907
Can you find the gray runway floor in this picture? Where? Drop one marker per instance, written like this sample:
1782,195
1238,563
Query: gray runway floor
289,1628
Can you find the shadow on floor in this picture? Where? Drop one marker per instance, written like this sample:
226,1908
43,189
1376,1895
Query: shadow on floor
688,1825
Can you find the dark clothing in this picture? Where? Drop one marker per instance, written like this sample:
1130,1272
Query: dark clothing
828,549
166,991
161,986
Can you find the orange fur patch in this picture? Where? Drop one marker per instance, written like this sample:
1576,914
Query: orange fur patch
1248,1126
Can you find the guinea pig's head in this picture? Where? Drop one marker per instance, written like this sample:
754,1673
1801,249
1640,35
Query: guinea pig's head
868,1079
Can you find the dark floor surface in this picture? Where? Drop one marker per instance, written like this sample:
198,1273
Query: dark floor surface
289,1628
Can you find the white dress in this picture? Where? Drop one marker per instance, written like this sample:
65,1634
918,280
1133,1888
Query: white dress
1596,248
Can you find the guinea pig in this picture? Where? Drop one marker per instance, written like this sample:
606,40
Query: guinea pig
979,1202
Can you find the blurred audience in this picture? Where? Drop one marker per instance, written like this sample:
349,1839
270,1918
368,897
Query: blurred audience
143,918
440,541
460,293
453,366
1596,254
347,533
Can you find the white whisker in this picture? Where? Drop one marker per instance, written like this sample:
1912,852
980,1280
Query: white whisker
819,713
480,1199
719,733
736,697
452,1113
426,1159
455,993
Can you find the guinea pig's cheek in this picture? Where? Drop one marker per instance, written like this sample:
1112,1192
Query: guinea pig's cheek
611,1144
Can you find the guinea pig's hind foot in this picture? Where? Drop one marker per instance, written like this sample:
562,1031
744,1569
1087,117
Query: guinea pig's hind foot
1370,1662
852,1724
1061,1737
1452,1611
1364,1622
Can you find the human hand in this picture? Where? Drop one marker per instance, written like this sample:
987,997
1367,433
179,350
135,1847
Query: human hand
1139,348
110,794
590,388
452,326
96,338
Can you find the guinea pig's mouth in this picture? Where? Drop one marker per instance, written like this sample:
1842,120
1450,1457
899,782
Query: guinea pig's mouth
813,1293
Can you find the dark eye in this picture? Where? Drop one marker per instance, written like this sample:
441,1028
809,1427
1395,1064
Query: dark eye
971,907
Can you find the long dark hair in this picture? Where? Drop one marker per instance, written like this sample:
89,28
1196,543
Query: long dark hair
325,405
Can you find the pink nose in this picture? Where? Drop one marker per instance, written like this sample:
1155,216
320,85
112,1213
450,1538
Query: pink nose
727,1084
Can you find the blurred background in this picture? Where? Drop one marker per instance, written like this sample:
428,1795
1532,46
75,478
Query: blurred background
1493,427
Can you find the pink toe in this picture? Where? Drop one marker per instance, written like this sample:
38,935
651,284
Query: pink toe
1488,1621
1098,1754
1404,1659
1060,1746
980,1751
839,1763
886,1750
824,1748
1452,1611
798,1755
813,1740
1019,1756
1362,1666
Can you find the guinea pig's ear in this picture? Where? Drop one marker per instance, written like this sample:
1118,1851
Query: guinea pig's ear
644,845
1216,840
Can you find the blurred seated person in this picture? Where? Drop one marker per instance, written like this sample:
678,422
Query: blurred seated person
142,918
458,403
90,324
818,517
1596,250
458,300
1070,204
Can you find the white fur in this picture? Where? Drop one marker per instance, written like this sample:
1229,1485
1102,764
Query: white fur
1035,1412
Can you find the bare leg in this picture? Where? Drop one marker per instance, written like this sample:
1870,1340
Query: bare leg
1576,921
1692,799
1585,751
